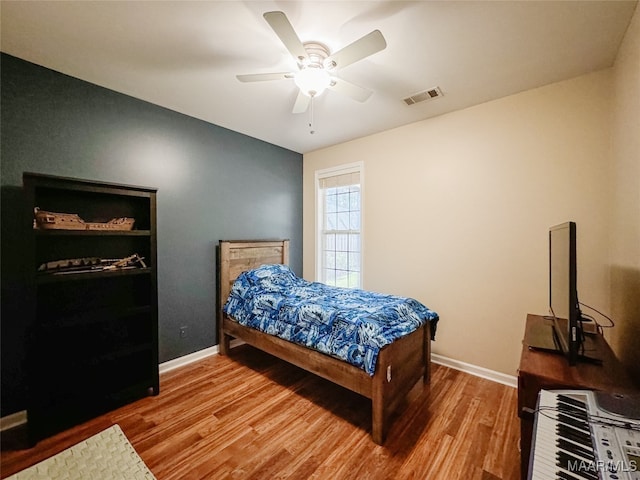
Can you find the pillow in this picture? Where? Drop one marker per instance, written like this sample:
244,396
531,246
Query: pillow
272,277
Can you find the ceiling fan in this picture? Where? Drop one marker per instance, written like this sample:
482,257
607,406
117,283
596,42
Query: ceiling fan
317,66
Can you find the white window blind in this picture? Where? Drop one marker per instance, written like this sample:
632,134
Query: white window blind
340,227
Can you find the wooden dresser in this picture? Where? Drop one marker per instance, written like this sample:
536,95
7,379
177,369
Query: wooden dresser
542,370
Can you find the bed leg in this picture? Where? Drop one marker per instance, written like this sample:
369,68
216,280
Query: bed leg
427,374
224,344
378,420
427,354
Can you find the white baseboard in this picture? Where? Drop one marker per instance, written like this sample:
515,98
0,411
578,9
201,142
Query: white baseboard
20,418
165,367
193,357
508,380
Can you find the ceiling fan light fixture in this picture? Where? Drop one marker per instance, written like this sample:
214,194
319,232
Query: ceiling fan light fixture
312,81
317,66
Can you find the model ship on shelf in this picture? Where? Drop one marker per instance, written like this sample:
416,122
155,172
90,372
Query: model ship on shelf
92,264
70,221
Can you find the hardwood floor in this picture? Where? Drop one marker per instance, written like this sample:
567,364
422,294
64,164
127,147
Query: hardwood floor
252,416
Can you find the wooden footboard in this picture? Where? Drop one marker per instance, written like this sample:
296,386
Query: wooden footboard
399,366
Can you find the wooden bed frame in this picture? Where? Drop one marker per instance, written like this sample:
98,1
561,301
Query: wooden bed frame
399,366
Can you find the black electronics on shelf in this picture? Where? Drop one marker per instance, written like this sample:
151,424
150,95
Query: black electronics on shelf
92,301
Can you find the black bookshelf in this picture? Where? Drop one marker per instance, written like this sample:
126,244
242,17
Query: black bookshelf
93,332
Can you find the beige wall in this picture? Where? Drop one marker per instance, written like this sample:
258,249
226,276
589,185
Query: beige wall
457,210
625,252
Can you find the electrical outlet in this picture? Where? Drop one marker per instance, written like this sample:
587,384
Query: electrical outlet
183,331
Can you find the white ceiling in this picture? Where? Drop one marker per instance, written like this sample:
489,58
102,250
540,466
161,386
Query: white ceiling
184,55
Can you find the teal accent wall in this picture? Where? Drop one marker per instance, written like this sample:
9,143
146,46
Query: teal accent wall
213,184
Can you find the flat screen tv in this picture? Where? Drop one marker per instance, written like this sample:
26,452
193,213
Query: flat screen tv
563,293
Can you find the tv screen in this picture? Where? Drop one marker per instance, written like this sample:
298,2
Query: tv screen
563,293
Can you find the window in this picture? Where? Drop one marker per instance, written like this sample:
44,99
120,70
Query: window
339,215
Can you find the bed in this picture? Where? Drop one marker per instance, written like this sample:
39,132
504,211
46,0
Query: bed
398,365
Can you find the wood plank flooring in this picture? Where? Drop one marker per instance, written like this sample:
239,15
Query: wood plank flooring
252,416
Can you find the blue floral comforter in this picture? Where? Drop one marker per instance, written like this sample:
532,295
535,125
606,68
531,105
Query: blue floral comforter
349,324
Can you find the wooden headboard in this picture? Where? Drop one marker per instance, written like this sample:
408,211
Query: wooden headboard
237,256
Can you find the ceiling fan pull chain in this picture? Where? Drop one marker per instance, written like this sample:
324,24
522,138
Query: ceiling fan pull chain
311,130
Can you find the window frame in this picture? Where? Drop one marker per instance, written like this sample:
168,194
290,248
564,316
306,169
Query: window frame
355,167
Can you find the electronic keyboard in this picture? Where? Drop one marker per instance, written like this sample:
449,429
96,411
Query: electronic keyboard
585,435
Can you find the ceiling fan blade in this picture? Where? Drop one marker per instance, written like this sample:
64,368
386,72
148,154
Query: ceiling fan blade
261,77
281,25
302,103
349,89
368,45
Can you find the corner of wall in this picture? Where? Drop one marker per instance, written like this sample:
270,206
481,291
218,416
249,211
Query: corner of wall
625,239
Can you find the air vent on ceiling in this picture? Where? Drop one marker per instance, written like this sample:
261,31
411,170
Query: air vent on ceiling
429,94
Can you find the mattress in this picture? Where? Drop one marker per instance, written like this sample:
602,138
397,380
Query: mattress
346,323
